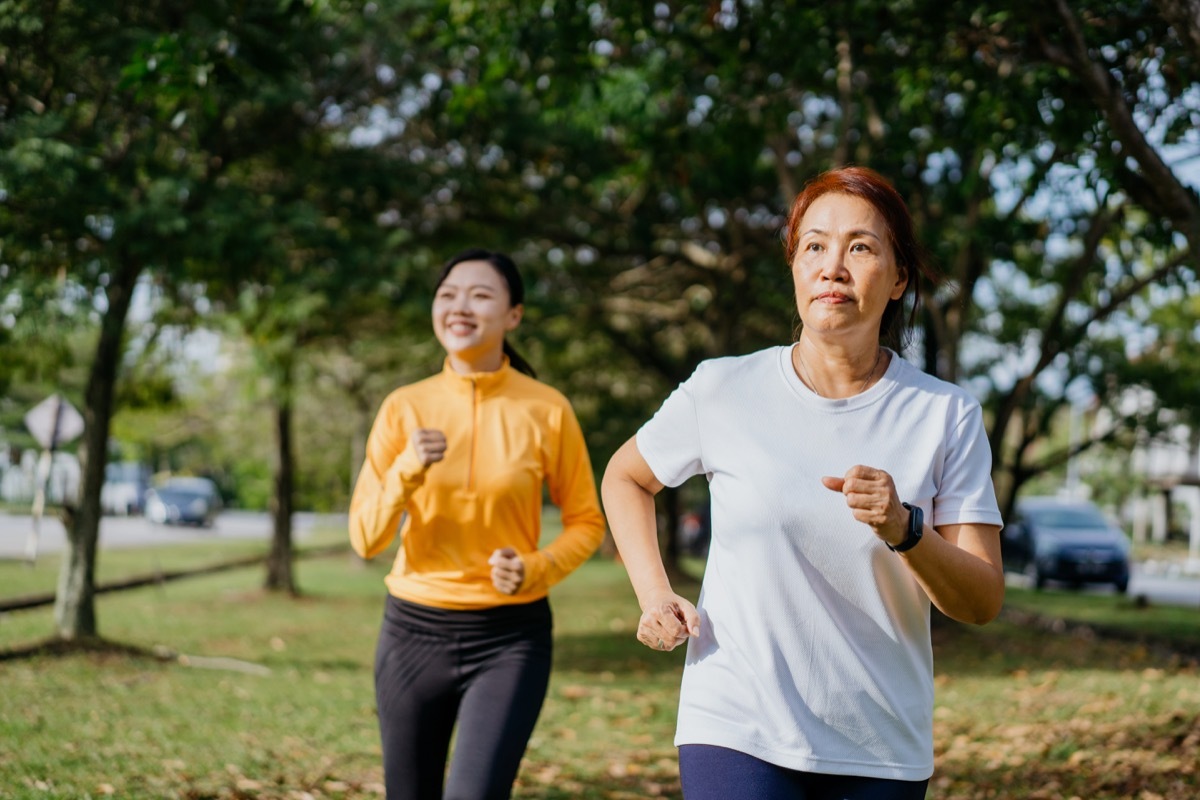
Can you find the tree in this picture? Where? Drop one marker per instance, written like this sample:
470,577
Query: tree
120,131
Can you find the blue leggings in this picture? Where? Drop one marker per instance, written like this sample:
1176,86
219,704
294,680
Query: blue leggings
480,676
718,773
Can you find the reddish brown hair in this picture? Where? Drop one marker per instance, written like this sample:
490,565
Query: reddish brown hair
869,185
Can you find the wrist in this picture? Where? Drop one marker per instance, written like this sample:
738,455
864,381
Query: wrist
913,531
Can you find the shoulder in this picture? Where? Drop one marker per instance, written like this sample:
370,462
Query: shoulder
522,386
931,390
414,392
719,371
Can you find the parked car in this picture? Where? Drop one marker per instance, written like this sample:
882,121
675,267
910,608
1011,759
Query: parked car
125,487
1050,539
184,501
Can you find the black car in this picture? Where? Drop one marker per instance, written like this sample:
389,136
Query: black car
184,501
1065,540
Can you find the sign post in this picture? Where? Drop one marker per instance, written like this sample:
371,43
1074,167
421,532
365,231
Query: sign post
53,422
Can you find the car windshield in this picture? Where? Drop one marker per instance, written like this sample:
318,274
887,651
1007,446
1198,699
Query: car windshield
1068,518
177,496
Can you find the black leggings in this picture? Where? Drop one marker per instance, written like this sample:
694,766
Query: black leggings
487,670
718,773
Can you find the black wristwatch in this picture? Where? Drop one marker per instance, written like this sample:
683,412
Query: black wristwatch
916,527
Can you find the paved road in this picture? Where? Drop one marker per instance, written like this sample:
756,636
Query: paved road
1165,585
15,531
1160,584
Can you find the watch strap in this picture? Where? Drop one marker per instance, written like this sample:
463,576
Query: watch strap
916,528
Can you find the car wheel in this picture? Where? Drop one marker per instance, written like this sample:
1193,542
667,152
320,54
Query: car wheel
1122,585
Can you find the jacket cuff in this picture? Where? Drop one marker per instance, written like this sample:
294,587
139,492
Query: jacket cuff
405,474
537,565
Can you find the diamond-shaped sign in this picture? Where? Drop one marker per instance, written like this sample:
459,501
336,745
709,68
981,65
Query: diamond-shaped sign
54,422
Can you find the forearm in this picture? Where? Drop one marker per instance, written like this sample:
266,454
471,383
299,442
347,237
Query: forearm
378,503
581,535
963,579
628,491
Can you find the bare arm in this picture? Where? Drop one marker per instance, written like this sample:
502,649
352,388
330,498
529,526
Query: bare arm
628,490
958,566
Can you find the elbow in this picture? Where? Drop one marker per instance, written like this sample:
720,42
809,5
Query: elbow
985,609
360,540
358,544
977,606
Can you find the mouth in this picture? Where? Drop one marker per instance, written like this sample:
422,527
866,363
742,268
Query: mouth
460,328
832,298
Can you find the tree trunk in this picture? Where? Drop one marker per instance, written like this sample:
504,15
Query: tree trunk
74,605
279,562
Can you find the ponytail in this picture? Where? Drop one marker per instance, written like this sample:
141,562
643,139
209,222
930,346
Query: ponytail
517,361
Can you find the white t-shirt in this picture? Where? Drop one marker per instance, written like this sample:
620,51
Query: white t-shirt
814,651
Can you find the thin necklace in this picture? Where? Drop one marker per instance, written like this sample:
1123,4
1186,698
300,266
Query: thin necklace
813,385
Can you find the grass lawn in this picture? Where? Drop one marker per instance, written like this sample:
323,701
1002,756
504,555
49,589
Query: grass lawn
272,698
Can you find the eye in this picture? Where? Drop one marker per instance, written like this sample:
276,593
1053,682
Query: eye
860,247
814,247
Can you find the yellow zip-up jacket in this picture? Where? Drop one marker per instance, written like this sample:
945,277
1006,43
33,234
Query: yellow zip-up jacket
506,435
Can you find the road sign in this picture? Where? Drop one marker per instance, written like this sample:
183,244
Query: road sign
54,422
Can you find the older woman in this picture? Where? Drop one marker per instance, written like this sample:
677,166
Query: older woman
849,491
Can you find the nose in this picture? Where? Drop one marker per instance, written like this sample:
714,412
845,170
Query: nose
833,267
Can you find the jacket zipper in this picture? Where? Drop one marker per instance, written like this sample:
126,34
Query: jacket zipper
474,431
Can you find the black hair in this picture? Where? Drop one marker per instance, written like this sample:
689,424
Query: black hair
516,291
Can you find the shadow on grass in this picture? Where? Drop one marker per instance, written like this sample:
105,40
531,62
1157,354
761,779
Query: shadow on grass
56,647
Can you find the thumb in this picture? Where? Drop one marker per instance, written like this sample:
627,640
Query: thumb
691,619
835,484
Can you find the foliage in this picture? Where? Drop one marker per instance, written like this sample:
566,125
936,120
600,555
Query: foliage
638,159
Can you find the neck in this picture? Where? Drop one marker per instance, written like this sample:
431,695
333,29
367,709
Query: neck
838,372
466,364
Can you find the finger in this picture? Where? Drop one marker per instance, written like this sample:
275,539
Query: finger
667,626
691,620
833,483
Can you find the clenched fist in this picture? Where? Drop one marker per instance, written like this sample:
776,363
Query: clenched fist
429,444
508,570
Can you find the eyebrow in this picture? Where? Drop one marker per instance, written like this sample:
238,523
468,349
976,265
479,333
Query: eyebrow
853,233
468,287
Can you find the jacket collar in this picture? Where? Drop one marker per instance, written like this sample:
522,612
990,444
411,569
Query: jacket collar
485,382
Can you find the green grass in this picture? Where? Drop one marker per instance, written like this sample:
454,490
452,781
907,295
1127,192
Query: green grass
1113,612
19,578
1021,712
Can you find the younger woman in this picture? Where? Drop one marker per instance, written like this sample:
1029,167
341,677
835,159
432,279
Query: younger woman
463,456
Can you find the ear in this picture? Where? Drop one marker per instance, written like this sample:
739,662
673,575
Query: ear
514,317
901,283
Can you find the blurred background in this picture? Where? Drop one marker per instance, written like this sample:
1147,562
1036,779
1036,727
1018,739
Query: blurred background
220,222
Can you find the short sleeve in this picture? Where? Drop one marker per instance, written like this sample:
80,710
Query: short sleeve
670,440
966,493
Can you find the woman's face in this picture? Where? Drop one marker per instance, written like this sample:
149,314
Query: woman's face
472,313
845,266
